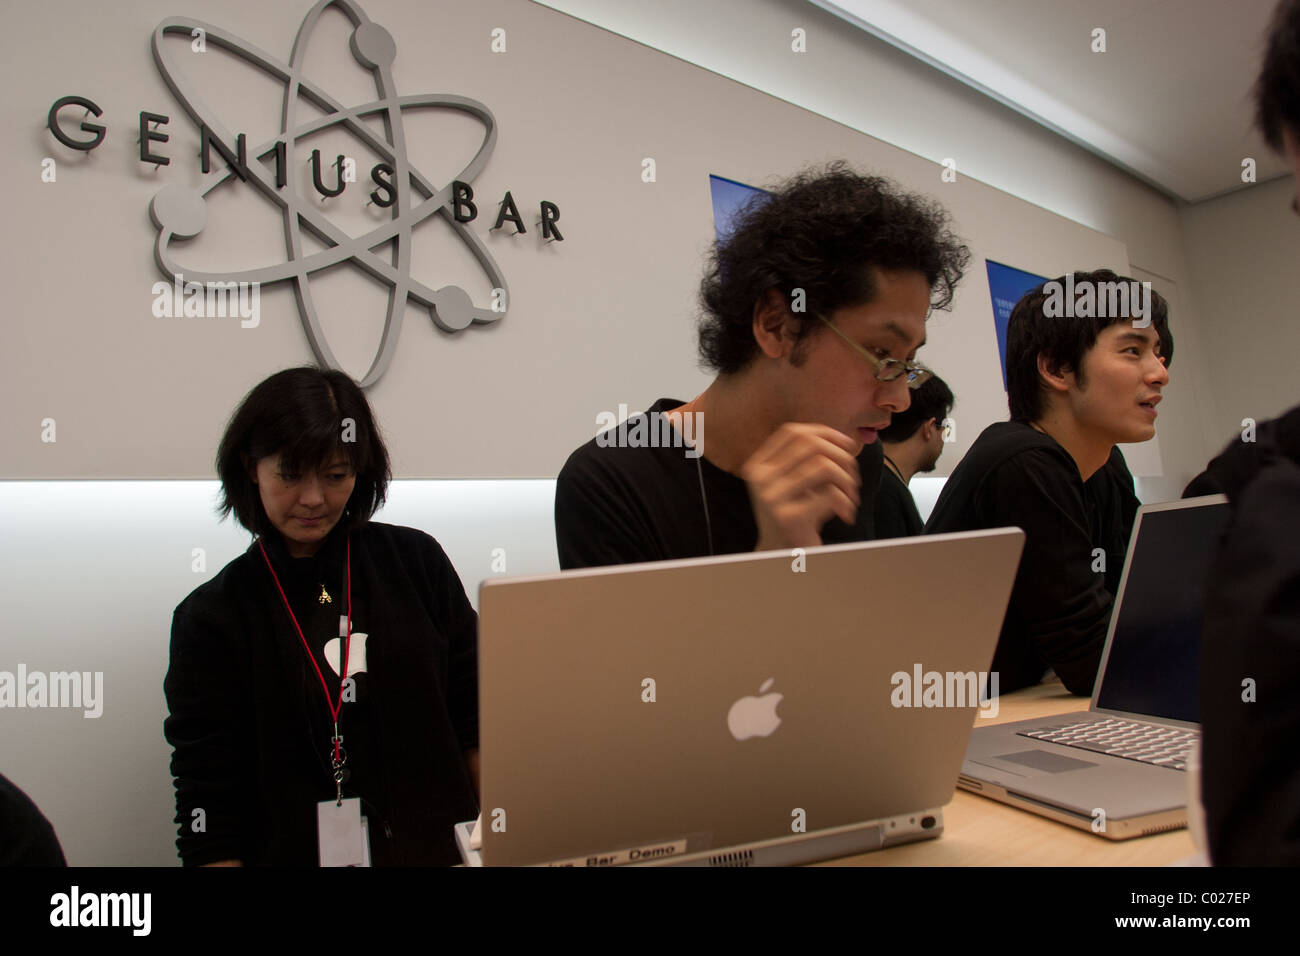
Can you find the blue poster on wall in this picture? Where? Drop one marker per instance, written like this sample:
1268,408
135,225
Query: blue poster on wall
729,198
1006,286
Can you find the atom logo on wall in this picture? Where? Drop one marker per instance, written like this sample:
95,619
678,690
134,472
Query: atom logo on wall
180,212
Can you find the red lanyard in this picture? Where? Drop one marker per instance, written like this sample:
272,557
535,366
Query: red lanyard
335,709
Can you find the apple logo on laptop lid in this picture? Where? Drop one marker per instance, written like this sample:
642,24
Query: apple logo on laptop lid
755,716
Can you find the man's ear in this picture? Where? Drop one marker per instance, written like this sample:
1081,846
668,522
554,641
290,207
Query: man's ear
1057,378
774,327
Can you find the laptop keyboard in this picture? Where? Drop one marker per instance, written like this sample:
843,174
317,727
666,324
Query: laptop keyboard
1148,743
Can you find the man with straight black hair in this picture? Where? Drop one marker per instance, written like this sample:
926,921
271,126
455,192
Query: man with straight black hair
1085,370
814,307
912,444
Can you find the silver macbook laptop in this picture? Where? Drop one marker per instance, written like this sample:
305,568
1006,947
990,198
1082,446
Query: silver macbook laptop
1117,768
777,707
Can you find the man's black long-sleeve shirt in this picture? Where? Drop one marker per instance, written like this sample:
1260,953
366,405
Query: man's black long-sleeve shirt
1060,604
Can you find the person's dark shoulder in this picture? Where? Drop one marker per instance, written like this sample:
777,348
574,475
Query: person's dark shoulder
26,837
397,537
1243,458
1009,474
415,550
212,631
626,449
602,459
229,586
634,461
1003,440
1013,445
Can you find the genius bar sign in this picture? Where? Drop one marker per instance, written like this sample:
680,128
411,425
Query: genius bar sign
180,212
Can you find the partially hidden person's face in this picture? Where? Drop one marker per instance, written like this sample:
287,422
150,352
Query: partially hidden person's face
836,386
934,449
1123,378
304,508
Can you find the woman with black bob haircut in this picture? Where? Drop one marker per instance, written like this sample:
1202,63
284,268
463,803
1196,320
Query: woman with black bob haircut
277,758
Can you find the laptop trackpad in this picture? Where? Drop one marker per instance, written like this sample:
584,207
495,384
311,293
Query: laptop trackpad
1046,761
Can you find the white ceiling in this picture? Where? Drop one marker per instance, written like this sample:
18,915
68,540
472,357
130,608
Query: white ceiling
1169,100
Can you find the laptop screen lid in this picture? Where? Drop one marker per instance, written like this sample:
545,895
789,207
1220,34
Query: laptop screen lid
635,705
1150,667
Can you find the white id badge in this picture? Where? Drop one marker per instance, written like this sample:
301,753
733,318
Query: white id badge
342,833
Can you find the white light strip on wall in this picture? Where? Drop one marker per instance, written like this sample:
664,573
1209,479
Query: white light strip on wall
469,518
148,531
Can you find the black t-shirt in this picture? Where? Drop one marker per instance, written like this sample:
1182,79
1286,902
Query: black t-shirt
318,593
896,514
1060,603
617,504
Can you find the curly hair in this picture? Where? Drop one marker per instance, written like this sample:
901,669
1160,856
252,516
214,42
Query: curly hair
824,231
1277,90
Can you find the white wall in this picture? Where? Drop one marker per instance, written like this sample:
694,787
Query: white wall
1244,249
92,573
864,83
602,319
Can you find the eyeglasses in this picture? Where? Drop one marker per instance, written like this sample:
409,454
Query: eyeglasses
886,369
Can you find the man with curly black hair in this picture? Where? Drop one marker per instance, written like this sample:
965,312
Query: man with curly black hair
814,307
